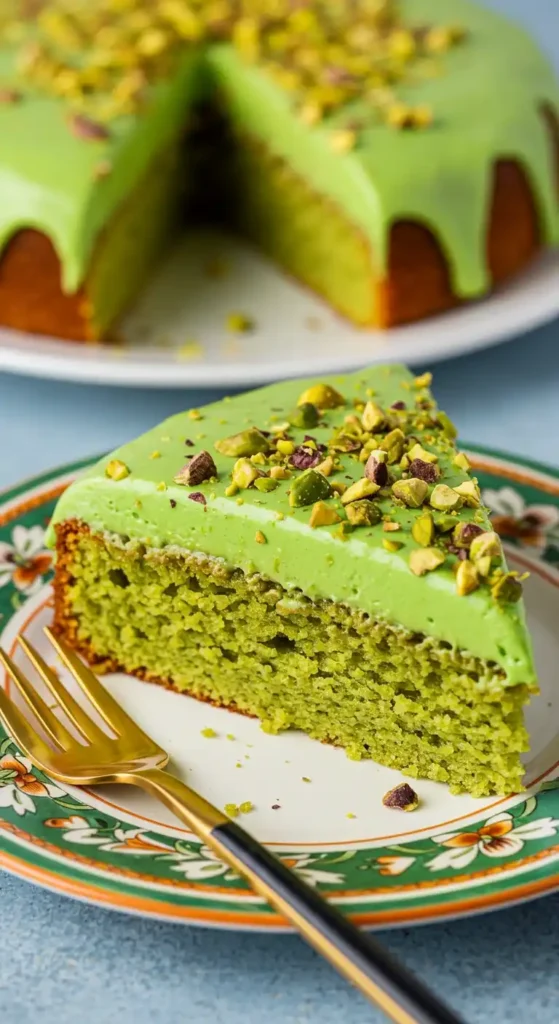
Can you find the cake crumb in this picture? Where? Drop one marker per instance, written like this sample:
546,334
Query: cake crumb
401,797
239,323
276,807
208,733
190,350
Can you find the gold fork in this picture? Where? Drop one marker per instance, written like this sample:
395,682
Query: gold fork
129,755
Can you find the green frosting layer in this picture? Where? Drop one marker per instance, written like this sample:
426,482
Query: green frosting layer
441,177
148,506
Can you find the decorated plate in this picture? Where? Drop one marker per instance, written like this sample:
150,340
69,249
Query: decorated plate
177,334
318,810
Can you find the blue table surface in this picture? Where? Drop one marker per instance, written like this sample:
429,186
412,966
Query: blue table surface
63,961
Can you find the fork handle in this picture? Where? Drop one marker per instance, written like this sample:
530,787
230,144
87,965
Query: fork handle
355,954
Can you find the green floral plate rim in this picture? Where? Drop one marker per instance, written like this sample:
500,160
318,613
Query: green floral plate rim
489,858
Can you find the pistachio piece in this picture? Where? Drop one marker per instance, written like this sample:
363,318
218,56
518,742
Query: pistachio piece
423,529
305,456
370,446
285,447
444,498
200,468
376,468
322,395
485,546
248,442
393,445
448,428
304,415
323,515
427,471
360,489
309,488
279,473
424,381
424,560
402,797
244,474
265,484
467,578
373,417
117,470
465,533
417,452
443,524
469,491
461,461
326,467
363,513
391,545
412,492
506,587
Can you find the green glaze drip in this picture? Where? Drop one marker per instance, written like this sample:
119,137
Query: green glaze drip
441,177
358,572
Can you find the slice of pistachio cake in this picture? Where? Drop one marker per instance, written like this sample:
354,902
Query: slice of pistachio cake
314,553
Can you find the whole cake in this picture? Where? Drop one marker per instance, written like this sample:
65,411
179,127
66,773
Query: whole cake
382,152
314,553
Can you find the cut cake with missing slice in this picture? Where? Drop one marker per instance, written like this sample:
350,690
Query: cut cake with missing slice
314,553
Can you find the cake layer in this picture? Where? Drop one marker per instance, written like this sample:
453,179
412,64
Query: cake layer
366,568
442,177
244,642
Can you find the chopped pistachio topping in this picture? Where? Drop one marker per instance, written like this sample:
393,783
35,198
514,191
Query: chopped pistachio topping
363,513
208,733
373,417
117,470
393,445
445,499
247,442
304,416
265,484
424,560
412,492
323,515
323,396
417,452
308,488
467,578
200,468
469,491
244,474
461,461
391,545
402,797
260,538
423,530
363,488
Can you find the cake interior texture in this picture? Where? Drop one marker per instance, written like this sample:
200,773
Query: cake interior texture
242,641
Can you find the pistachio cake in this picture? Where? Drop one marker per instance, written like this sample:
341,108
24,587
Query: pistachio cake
381,152
314,553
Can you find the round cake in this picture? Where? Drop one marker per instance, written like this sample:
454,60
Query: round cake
383,153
